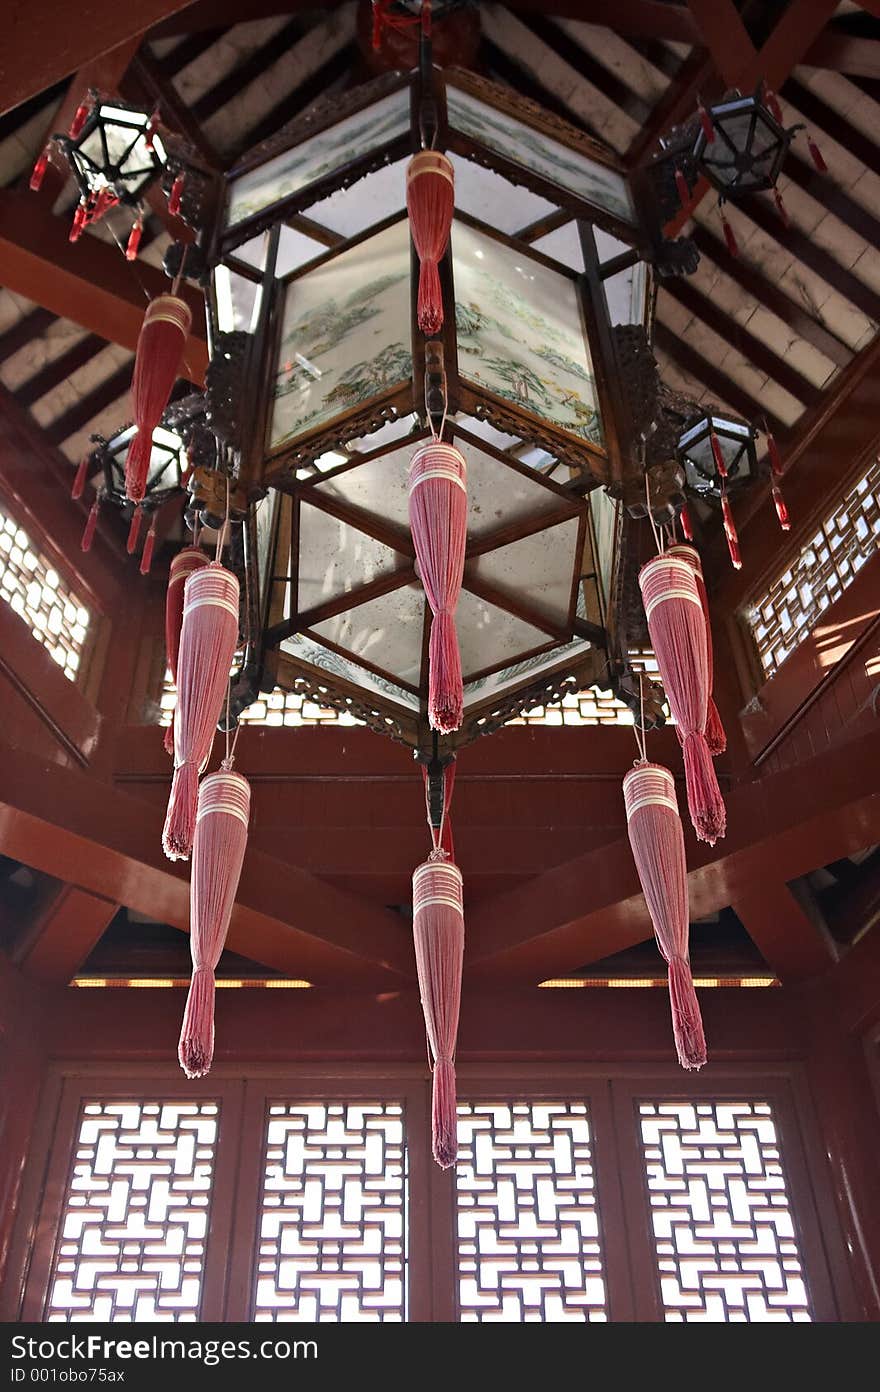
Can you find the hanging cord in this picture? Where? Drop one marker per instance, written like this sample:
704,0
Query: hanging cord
437,852
657,537
229,760
437,435
639,727
221,535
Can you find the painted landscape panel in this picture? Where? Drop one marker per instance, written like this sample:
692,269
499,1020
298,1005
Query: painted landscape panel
319,156
595,183
345,334
521,333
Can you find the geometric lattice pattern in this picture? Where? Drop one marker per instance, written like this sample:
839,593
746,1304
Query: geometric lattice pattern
828,563
333,1214
528,1225
725,1240
36,592
591,707
131,1242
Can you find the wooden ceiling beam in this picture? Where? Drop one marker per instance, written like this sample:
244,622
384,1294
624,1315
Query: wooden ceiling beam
316,84
753,348
575,56
88,834
24,330
71,421
62,937
844,53
146,83
88,282
676,106
723,33
257,62
59,369
47,41
823,118
500,65
790,941
702,371
637,18
767,293
592,906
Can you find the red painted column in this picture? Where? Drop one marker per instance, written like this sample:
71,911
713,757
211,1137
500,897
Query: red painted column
22,1070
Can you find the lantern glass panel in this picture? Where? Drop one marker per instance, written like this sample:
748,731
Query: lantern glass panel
345,334
497,131
521,333
335,557
541,567
318,157
386,633
523,672
491,639
328,663
237,300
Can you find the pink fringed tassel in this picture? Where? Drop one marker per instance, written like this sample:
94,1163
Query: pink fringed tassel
218,853
686,524
657,842
438,519
430,198
134,239
184,563
729,236
176,194
715,736
730,531
438,931
161,343
80,116
816,155
208,637
678,637
681,184
39,170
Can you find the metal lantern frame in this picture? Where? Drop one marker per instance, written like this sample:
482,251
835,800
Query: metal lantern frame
733,167
737,440
289,473
92,174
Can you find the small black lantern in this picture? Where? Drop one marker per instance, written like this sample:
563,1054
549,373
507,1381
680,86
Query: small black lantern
718,454
740,145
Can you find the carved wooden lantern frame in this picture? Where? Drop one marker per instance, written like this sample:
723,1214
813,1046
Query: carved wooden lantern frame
320,378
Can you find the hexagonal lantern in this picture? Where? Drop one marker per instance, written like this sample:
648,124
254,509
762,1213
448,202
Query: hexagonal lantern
321,385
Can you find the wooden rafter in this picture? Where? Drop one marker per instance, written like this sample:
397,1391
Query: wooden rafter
700,369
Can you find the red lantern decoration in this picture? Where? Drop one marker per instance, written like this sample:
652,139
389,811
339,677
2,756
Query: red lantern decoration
438,520
430,199
715,736
218,853
655,835
678,636
88,535
149,547
161,344
208,638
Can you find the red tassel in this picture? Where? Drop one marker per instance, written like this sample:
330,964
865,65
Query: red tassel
730,532
184,563
678,637
208,638
718,455
684,193
80,116
80,478
729,237
377,27
707,124
438,521
78,223
160,350
657,841
134,531
152,127
430,197
776,467
176,194
39,170
686,524
438,933
781,208
88,535
773,106
218,854
816,155
781,508
134,239
149,547
714,732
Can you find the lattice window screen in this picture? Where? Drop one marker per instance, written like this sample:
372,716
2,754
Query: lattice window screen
131,1242
332,1229
528,1226
727,1250
826,566
36,592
